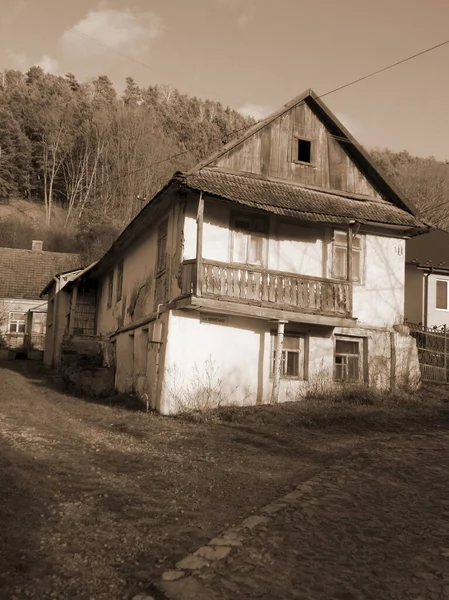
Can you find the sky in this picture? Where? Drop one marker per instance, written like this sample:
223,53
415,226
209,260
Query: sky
256,55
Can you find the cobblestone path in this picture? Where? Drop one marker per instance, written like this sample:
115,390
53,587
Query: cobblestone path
373,526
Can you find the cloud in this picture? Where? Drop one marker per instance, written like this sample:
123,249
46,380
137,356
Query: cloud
22,62
124,30
246,16
49,64
245,10
257,111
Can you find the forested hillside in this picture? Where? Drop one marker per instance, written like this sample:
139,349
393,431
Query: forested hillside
80,155
81,147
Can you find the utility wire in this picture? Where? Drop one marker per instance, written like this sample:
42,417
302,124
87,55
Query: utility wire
110,48
328,93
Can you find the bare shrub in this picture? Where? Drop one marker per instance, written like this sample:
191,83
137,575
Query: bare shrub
201,392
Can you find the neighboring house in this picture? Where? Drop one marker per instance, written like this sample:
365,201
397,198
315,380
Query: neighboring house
57,315
427,279
23,273
274,267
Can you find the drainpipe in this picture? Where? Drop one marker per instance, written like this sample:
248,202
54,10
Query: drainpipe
277,361
426,295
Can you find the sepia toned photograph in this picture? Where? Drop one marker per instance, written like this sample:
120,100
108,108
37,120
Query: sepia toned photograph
224,300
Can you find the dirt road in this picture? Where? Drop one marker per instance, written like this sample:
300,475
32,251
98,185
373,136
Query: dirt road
96,502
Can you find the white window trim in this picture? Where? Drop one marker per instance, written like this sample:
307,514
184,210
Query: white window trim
362,358
305,363
446,281
235,215
362,237
11,320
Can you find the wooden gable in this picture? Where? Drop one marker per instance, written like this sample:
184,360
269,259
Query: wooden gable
272,152
337,161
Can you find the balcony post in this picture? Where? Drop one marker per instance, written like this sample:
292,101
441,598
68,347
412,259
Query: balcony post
277,361
199,246
349,267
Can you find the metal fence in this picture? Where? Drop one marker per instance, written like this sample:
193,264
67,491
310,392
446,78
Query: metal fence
433,351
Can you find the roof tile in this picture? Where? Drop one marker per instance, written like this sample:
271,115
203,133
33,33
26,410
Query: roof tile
294,200
24,273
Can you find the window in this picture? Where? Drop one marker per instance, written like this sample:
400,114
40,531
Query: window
249,239
340,253
17,322
110,288
441,294
304,148
348,360
293,357
161,246
120,280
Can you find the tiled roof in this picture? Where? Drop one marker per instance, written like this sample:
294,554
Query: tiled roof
294,200
24,273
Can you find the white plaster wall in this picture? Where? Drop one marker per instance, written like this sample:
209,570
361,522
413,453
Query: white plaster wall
297,250
379,300
290,247
18,305
233,362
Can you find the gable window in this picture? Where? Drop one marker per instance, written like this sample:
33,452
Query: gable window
249,239
340,254
301,150
110,288
293,358
17,322
161,257
120,281
348,359
441,294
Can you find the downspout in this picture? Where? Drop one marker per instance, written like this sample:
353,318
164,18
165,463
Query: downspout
277,361
426,295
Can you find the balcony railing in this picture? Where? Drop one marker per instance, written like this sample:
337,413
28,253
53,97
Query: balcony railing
254,285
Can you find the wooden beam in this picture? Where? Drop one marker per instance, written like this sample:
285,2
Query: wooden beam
257,312
199,246
349,268
277,362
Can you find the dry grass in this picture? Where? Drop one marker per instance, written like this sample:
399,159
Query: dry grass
96,500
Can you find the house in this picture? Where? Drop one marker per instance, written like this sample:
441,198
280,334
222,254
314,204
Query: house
427,279
274,267
57,315
23,273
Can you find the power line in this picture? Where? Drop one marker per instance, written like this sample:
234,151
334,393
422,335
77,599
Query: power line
328,93
111,48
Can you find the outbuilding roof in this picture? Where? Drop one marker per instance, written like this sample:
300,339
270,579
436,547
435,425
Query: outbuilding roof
23,273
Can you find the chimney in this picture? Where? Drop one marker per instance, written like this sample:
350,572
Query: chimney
37,245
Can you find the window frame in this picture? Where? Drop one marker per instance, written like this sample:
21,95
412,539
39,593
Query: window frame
161,247
446,281
294,150
263,235
361,251
303,347
110,288
17,321
119,290
362,359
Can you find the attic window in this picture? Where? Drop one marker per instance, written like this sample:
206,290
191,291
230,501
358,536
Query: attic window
303,150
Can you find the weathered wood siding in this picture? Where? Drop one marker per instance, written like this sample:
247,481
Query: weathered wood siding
269,153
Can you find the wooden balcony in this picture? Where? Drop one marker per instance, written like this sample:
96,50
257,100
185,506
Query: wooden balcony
270,289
